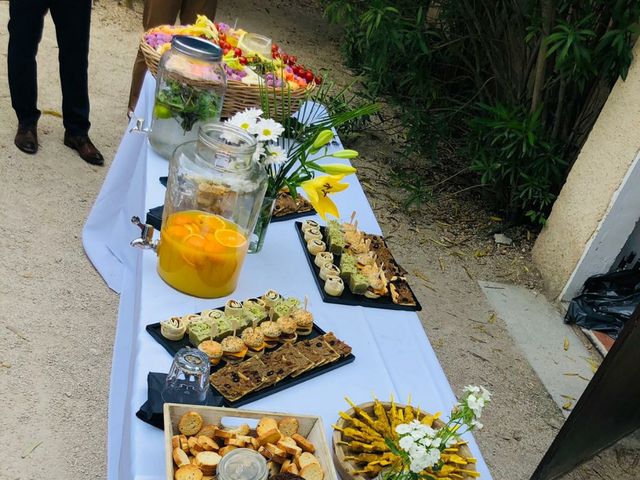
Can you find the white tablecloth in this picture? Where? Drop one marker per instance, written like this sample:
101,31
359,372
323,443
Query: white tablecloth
393,354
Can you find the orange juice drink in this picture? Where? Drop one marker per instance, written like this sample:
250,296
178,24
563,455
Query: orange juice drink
201,254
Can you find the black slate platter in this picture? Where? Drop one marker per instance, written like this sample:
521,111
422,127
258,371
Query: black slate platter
154,216
173,347
348,298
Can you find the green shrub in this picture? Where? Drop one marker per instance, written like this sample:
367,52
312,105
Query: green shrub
521,82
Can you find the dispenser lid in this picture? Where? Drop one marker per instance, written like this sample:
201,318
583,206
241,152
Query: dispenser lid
197,48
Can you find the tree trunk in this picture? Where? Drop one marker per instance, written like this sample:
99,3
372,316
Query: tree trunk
548,9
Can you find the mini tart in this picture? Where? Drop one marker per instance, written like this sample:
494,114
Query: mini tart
288,326
328,269
271,332
304,321
254,339
334,286
322,258
233,349
312,234
173,329
213,350
271,298
309,224
316,246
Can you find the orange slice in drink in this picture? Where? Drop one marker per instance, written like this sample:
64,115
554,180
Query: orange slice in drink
209,223
177,232
194,240
211,245
180,219
230,238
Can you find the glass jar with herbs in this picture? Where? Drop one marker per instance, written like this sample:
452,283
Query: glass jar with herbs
190,89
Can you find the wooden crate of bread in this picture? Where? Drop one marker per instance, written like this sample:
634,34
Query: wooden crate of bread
289,442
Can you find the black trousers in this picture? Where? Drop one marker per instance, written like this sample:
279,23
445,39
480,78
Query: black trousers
72,19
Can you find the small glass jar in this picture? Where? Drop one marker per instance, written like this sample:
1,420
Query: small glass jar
190,89
188,378
214,194
243,464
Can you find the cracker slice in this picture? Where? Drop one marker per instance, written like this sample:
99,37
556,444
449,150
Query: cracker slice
338,345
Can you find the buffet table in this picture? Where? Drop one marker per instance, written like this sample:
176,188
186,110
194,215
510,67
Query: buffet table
393,354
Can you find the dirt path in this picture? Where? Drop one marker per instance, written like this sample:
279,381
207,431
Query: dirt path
57,316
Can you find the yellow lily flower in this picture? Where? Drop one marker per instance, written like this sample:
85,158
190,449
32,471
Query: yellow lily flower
318,189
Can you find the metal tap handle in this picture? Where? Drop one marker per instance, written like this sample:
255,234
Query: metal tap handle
139,128
146,235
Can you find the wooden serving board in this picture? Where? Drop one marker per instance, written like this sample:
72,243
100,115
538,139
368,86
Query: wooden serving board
345,467
311,427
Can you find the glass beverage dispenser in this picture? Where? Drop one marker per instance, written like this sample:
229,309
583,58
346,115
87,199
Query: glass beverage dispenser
214,194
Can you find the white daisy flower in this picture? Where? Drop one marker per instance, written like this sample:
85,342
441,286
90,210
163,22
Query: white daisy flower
267,129
260,151
275,155
244,121
254,113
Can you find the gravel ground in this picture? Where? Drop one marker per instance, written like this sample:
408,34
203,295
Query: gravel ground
58,317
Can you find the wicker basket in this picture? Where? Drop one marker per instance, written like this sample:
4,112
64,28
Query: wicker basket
340,451
238,95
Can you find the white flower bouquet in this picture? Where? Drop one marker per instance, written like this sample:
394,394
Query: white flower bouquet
420,447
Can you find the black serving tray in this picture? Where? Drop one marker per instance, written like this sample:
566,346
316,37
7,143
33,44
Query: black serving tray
173,346
154,215
348,298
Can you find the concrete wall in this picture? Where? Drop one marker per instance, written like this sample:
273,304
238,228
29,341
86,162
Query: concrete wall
592,186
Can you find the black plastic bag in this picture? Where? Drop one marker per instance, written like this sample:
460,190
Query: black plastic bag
606,302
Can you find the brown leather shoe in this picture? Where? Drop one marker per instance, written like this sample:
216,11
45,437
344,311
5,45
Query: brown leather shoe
27,138
87,150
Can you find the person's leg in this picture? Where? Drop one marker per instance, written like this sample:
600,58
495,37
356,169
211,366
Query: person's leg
26,20
192,8
156,12
73,19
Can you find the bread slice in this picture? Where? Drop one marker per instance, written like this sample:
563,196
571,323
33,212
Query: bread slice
208,431
289,445
288,426
236,442
175,441
226,449
266,424
220,433
306,459
270,436
289,466
188,472
180,457
208,461
184,443
254,443
190,423
303,443
275,450
194,448
243,429
312,471
207,444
